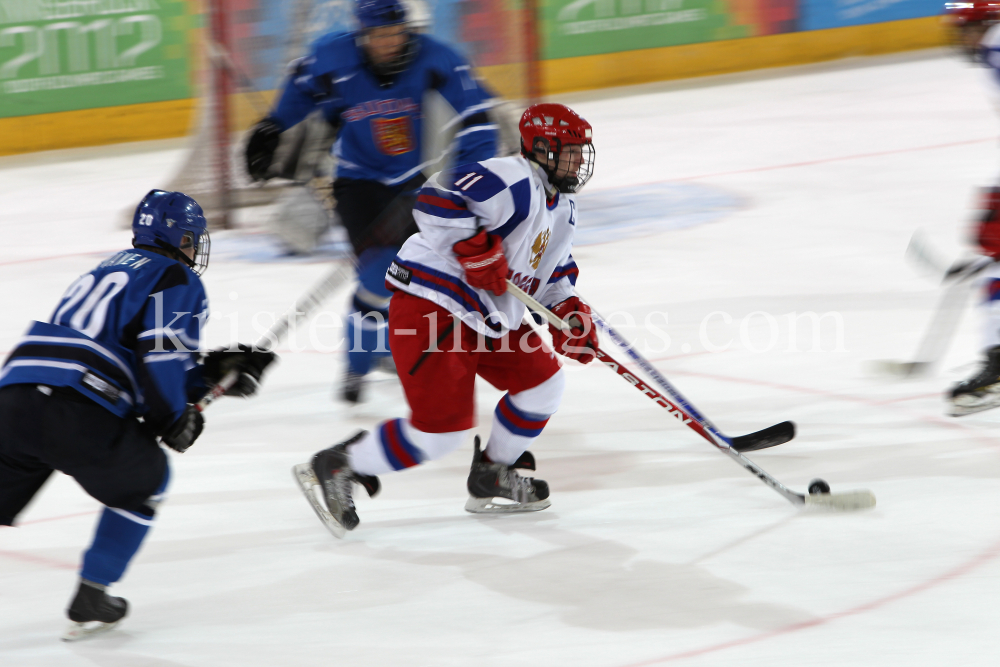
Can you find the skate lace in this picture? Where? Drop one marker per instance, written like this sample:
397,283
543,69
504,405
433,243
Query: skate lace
342,483
521,488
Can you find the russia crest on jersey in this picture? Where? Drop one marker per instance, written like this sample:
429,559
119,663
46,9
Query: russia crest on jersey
538,248
393,136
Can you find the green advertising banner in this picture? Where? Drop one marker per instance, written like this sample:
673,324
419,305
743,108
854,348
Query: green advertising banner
64,55
590,27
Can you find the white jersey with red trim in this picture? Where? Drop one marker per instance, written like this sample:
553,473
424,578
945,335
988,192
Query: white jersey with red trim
507,197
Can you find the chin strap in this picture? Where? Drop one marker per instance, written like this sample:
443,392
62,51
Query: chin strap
543,172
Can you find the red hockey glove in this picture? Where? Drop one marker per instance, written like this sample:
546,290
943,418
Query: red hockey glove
483,260
988,234
579,342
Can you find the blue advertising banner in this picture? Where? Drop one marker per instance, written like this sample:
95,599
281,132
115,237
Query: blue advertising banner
821,14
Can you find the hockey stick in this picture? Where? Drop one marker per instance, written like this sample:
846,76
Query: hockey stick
301,311
937,337
677,405
778,434
851,500
947,314
383,231
919,252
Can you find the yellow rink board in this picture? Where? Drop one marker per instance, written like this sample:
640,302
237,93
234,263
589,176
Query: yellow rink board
737,55
161,120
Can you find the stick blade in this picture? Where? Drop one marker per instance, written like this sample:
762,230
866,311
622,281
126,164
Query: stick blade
771,436
901,369
850,501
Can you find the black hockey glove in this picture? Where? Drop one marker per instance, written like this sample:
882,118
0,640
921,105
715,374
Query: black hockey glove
183,432
260,148
248,362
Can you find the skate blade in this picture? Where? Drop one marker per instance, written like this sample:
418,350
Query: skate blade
851,501
491,506
78,631
306,479
962,410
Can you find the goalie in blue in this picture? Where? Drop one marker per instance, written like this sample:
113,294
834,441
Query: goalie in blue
115,371
370,85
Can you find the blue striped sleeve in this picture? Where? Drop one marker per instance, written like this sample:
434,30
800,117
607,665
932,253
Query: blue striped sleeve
441,204
521,193
474,181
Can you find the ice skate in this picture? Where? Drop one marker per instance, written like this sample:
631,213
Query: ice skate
93,611
489,481
329,476
980,392
351,387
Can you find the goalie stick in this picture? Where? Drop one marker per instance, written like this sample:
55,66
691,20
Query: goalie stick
849,501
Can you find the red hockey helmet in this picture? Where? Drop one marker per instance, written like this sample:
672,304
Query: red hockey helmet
561,142
978,11
969,21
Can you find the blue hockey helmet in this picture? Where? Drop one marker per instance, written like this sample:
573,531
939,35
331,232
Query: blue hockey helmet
174,222
377,13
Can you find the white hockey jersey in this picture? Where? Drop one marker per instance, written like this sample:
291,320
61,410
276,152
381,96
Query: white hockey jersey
989,51
505,196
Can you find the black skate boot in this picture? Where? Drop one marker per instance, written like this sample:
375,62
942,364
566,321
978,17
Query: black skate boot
981,391
351,386
489,480
330,474
93,611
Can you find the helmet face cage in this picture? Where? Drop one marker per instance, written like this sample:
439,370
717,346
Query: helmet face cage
584,170
400,62
202,245
569,166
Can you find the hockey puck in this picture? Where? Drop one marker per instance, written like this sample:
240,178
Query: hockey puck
818,486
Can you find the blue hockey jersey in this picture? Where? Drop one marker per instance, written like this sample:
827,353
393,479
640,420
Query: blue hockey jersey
380,126
125,335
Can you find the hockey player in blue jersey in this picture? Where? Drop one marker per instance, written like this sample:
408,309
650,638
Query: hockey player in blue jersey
93,391
370,85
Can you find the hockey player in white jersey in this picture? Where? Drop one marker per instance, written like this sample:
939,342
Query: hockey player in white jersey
451,318
976,26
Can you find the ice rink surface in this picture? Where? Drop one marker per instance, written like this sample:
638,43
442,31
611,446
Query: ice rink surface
657,549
